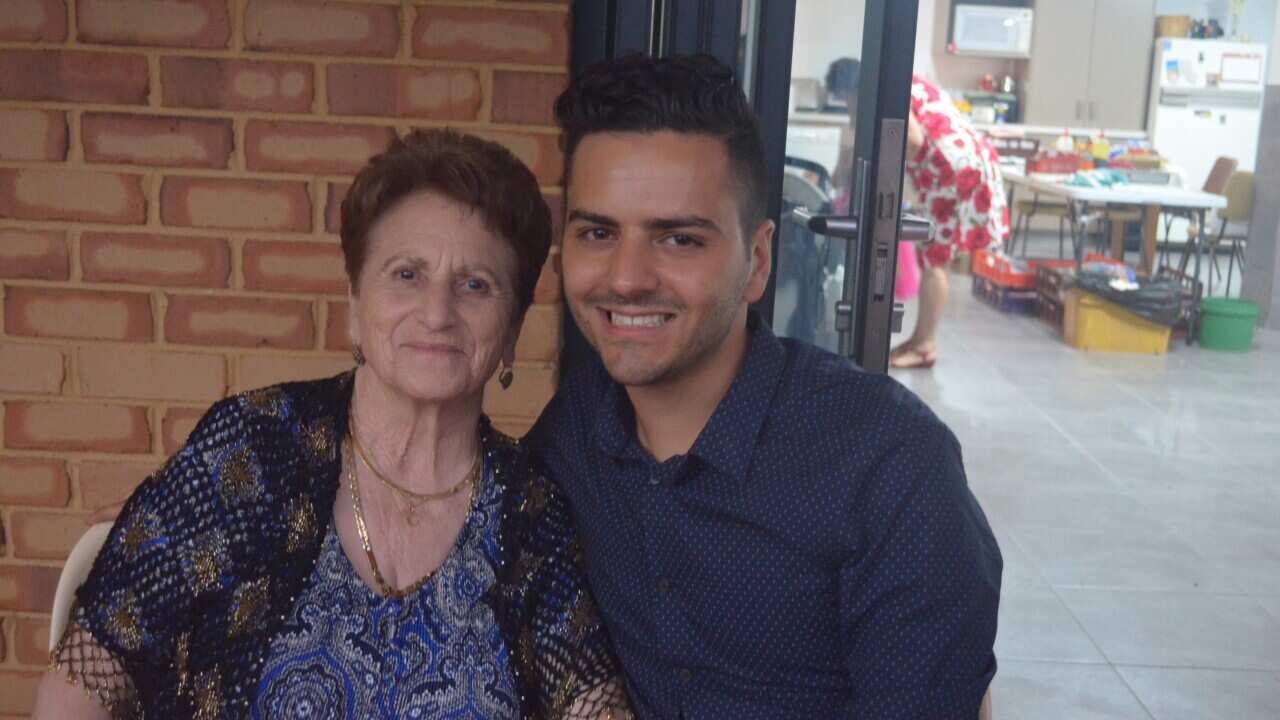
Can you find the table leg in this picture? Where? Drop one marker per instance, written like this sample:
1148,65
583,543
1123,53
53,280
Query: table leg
1193,318
1117,239
1077,242
1150,228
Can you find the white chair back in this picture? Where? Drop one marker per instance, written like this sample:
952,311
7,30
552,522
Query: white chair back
74,573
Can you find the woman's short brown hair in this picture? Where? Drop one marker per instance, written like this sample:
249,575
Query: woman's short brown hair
480,174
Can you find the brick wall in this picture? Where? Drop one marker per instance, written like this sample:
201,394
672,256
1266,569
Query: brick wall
170,173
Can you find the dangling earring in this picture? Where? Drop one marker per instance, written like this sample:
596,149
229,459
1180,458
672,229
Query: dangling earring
506,376
358,355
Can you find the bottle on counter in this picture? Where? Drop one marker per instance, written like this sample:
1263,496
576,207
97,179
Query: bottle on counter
1064,143
1100,147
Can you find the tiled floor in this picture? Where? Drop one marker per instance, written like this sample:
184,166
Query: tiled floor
1136,500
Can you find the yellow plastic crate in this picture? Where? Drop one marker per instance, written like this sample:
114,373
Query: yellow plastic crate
1091,323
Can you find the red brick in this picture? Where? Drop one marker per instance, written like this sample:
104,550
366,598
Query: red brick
540,334
337,334
154,140
31,369
86,314
541,152
115,372
37,254
547,291
262,370
168,260
328,28
26,588
312,148
526,98
528,394
34,481
33,134
44,535
296,267
235,204
19,696
45,194
333,206
108,483
34,21
76,427
31,640
216,84
177,426
73,76
185,24
491,35
399,91
555,202
239,321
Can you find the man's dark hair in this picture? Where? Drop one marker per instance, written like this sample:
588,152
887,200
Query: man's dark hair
684,94
842,78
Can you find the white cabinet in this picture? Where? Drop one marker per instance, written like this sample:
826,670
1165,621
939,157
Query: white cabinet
1090,63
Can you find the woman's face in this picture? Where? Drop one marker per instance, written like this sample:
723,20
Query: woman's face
436,308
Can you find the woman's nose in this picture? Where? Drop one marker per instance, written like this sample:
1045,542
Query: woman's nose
438,305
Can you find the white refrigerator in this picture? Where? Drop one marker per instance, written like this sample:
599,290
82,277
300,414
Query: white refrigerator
1206,101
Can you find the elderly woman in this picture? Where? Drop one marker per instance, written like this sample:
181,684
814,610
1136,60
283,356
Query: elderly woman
365,546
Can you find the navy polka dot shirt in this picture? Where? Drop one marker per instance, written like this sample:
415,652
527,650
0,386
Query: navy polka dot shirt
816,554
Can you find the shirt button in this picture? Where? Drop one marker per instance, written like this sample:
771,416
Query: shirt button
655,480
685,674
664,585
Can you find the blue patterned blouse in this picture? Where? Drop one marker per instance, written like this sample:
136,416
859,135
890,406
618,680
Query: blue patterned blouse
347,652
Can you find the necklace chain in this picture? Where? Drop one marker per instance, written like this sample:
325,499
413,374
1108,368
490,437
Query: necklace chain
353,482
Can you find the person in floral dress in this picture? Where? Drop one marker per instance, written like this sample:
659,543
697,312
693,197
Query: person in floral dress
956,173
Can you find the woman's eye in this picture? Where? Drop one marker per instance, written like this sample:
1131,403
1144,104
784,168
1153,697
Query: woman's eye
476,285
408,274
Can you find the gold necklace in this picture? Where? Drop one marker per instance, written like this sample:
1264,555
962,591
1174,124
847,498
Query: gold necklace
353,482
411,499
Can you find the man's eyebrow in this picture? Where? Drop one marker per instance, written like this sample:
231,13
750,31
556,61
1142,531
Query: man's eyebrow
682,221
593,218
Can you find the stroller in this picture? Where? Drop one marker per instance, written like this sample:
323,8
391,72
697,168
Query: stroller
810,266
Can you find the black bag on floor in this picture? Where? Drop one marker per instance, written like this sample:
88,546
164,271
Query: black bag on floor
1158,300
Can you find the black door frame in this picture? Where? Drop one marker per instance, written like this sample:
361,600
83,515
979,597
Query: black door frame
605,29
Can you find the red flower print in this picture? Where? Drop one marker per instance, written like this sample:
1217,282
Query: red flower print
977,237
936,125
924,180
938,160
966,180
930,92
942,209
946,176
982,199
937,255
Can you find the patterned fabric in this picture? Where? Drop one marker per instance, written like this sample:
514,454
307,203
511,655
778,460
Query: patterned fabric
816,554
436,654
209,556
957,174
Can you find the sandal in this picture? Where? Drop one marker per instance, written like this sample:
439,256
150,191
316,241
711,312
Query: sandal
912,359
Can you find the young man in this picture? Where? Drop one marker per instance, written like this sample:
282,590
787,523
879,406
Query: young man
769,532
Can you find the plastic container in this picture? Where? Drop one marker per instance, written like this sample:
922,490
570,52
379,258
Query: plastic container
1006,300
1091,323
1227,324
1021,274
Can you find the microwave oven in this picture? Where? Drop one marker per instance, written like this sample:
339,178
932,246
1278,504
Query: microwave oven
991,30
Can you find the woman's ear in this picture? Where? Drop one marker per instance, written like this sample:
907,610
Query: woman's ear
353,319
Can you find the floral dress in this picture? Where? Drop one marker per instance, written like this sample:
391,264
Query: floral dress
957,175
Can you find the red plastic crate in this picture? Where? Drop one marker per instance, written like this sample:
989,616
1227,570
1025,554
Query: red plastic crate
1000,271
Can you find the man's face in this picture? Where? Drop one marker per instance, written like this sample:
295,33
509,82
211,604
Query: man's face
657,272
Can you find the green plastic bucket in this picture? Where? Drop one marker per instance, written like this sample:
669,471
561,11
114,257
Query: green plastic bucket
1227,324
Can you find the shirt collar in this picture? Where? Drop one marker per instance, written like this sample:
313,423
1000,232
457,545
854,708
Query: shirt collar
730,435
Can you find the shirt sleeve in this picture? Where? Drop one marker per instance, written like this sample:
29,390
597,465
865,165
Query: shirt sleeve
920,591
564,641
160,554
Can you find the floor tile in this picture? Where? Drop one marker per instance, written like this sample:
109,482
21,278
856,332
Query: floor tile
1035,625
1062,690
1178,629
1196,694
